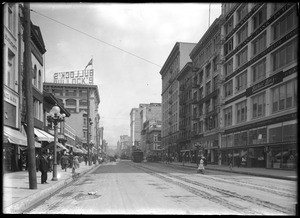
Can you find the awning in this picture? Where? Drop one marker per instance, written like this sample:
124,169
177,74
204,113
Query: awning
84,151
43,136
59,146
14,136
77,150
72,146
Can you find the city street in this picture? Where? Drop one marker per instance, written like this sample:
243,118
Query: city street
124,187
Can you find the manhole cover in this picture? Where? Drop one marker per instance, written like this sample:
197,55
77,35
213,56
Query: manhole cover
81,197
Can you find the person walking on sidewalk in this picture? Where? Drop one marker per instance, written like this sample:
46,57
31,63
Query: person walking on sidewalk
44,167
230,163
64,162
201,168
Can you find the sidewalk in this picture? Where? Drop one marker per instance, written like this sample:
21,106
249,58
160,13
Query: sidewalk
270,173
17,196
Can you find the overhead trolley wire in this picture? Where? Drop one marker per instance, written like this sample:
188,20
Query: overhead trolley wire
96,38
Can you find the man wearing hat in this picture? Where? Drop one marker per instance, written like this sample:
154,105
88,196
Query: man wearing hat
44,167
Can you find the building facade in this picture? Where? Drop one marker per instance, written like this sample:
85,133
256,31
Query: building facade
136,125
205,110
176,60
79,99
259,84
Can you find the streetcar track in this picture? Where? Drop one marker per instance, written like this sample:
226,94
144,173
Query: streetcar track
280,192
169,177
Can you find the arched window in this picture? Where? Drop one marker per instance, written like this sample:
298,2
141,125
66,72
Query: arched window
71,102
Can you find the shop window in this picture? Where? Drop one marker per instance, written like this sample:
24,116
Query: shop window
289,157
274,157
275,134
289,133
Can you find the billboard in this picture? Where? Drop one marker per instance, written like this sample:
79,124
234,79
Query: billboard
75,77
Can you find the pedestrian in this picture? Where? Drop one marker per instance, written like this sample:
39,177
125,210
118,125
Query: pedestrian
85,159
50,159
75,164
201,167
64,162
44,167
230,163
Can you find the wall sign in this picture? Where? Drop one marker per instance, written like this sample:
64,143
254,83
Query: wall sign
75,77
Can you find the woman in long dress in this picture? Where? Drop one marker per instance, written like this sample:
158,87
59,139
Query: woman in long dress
201,168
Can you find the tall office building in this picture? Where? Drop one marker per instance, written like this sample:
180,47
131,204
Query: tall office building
259,77
176,60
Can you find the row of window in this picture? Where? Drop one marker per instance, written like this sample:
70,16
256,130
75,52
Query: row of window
283,97
282,133
282,57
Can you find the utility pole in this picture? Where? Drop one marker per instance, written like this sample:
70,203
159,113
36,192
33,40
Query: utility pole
88,126
29,99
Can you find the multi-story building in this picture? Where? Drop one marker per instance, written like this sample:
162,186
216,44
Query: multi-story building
136,126
186,86
79,100
125,146
205,136
152,112
176,60
151,135
259,84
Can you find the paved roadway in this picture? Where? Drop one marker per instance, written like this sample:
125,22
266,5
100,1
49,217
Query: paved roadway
154,188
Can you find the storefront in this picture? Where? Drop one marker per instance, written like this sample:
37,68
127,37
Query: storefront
267,144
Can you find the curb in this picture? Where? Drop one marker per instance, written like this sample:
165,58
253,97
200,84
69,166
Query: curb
25,203
245,173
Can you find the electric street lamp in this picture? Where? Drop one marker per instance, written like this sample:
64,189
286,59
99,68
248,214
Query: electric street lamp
54,117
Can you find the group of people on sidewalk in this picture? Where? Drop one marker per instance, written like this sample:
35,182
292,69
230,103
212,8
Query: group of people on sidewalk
44,164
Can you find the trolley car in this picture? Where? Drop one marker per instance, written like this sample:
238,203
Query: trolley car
137,156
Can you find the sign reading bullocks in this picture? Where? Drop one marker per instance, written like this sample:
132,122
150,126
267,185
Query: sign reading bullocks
75,77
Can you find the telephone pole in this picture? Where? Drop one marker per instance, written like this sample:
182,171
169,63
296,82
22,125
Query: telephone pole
29,99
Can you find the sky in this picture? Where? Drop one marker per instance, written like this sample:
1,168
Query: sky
129,44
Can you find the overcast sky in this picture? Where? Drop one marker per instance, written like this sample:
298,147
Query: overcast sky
129,43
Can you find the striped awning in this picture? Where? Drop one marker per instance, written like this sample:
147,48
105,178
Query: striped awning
41,135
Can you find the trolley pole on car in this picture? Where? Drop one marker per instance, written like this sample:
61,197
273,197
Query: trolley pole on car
29,99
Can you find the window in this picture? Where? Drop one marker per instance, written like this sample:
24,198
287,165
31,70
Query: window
207,106
228,116
34,76
215,82
241,112
40,80
215,63
82,93
242,34
242,57
228,88
259,44
71,102
259,71
10,81
288,22
83,102
208,67
10,18
228,67
258,106
228,46
285,55
242,12
229,26
241,81
208,88
277,6
283,96
259,18
70,92
200,93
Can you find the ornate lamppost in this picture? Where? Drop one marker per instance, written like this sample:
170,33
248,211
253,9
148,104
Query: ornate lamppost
55,117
